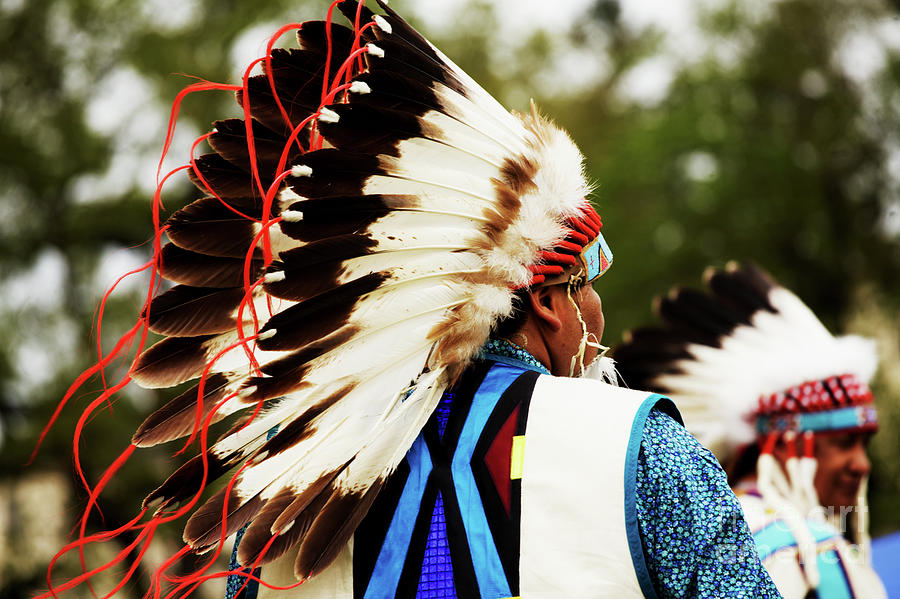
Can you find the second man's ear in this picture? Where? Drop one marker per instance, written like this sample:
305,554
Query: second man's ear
546,303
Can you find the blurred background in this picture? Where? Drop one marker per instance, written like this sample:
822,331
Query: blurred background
762,130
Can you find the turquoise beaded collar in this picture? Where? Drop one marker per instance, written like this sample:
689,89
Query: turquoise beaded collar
501,350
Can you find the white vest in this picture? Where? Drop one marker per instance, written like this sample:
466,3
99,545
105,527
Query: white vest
579,530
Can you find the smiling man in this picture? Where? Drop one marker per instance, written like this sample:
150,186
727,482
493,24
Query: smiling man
842,466
786,408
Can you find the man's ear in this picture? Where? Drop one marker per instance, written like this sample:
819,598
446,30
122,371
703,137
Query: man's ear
545,306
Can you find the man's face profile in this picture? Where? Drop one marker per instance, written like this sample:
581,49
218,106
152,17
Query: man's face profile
571,332
842,465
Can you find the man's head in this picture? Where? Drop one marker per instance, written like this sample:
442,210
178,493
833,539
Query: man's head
558,317
754,371
830,420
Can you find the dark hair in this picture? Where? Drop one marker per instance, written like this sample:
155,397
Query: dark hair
509,326
742,464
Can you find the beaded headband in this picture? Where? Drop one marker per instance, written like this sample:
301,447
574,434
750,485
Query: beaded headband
838,403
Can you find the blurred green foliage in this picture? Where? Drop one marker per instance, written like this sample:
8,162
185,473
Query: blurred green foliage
764,147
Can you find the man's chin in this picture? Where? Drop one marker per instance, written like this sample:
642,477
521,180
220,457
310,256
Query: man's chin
846,501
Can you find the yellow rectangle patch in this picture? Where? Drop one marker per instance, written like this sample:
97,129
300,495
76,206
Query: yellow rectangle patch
517,457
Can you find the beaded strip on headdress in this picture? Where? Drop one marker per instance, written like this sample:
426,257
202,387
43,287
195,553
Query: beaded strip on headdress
840,402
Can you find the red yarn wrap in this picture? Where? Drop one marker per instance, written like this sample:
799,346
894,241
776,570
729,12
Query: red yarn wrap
582,230
809,444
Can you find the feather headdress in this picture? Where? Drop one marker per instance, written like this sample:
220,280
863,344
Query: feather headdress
749,358
365,226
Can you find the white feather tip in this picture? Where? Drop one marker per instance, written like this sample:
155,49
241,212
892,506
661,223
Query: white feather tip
301,170
375,50
326,115
383,24
276,276
360,87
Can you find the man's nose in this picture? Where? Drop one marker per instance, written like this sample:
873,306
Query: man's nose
859,461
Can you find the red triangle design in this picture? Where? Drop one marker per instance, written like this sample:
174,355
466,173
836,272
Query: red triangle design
497,458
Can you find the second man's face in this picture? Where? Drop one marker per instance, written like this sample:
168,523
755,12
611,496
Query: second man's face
842,466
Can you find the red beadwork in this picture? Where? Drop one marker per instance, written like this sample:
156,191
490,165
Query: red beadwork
814,396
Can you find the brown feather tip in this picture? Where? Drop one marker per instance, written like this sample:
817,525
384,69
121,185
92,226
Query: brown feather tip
287,517
172,361
204,527
179,417
330,531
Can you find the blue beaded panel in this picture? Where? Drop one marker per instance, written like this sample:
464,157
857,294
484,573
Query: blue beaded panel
437,569
501,350
443,412
236,582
